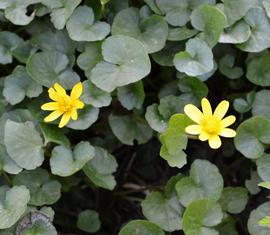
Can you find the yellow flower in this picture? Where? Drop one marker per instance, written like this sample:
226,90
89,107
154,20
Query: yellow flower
63,104
210,125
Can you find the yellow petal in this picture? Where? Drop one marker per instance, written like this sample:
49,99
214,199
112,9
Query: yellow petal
206,107
193,129
193,113
74,114
54,115
64,120
214,142
76,91
203,136
52,94
79,104
228,121
50,106
221,109
227,132
59,89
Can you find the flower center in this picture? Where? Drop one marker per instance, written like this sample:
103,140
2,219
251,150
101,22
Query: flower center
65,105
211,125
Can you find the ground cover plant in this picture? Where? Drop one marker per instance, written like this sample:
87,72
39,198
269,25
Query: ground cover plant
134,117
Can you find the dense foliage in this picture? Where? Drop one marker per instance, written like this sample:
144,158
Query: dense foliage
125,164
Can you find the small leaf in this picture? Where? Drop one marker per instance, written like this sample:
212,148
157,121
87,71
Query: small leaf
88,221
265,184
155,119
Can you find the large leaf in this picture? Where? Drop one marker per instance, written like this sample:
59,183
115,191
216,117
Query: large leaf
13,204
251,137
196,60
65,162
43,190
142,227
152,31
204,182
24,144
100,169
261,104
125,62
81,26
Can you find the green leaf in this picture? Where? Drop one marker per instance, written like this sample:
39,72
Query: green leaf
81,26
261,104
152,31
53,134
180,34
258,70
50,67
94,96
174,141
235,10
263,167
142,227
204,182
196,60
193,88
36,223
6,163
24,144
176,12
234,199
155,119
226,67
16,11
227,227
211,21
131,96
87,116
265,221
61,10
100,169
163,211
237,33
9,42
252,183
88,221
260,31
128,129
255,217
43,190
265,184
65,162
251,136
18,85
13,204
125,62
201,213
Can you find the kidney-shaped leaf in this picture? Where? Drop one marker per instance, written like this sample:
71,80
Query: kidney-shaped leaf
125,62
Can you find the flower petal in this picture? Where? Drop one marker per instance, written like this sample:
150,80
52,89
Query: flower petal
214,142
193,129
64,120
76,91
206,107
221,109
50,106
204,136
228,121
54,115
52,94
79,104
59,89
74,114
193,113
227,132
